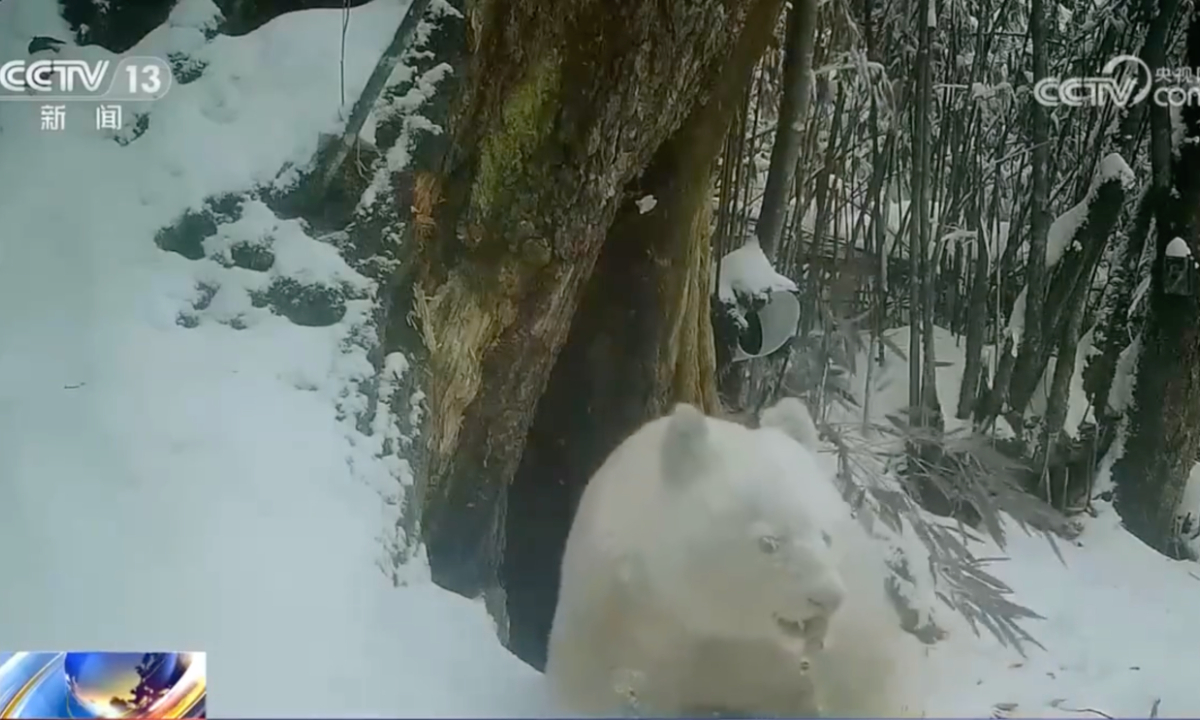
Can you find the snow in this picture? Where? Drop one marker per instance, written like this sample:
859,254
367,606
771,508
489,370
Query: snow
998,240
1117,629
985,92
1118,617
747,273
1016,320
1114,166
1178,128
1190,505
1062,232
1139,296
1177,248
1121,394
1064,228
1078,408
206,487
846,215
406,105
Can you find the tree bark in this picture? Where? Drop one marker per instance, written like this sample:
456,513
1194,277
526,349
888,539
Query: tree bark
793,109
1058,401
565,104
917,240
1030,348
922,388
1070,283
1112,332
971,396
1164,431
599,391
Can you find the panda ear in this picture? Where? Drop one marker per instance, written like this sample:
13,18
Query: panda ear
791,417
685,446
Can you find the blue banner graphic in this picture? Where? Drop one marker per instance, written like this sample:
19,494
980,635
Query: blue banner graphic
55,685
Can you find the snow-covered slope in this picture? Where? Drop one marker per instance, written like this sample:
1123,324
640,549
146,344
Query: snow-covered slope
201,485
164,486
1119,626
1119,633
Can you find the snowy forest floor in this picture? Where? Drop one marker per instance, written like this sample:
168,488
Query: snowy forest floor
1117,616
203,486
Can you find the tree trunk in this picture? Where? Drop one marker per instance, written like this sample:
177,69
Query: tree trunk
793,109
571,111
976,326
599,392
954,281
1113,335
1058,401
1070,283
1025,370
917,209
970,394
923,264
1164,429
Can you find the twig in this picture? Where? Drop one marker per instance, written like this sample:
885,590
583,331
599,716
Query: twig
342,60
1154,708
1087,710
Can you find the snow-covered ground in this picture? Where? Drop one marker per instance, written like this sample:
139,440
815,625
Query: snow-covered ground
202,485
1118,630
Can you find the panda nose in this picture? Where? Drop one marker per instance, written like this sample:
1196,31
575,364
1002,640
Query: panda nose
827,598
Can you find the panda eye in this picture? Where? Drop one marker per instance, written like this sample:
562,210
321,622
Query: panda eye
768,544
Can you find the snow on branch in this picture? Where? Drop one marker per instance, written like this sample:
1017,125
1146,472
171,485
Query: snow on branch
1177,248
1064,231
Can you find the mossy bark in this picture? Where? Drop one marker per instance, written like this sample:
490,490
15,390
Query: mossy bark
565,105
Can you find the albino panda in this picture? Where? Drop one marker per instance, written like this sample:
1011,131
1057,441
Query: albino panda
868,666
695,541
855,670
713,568
791,416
